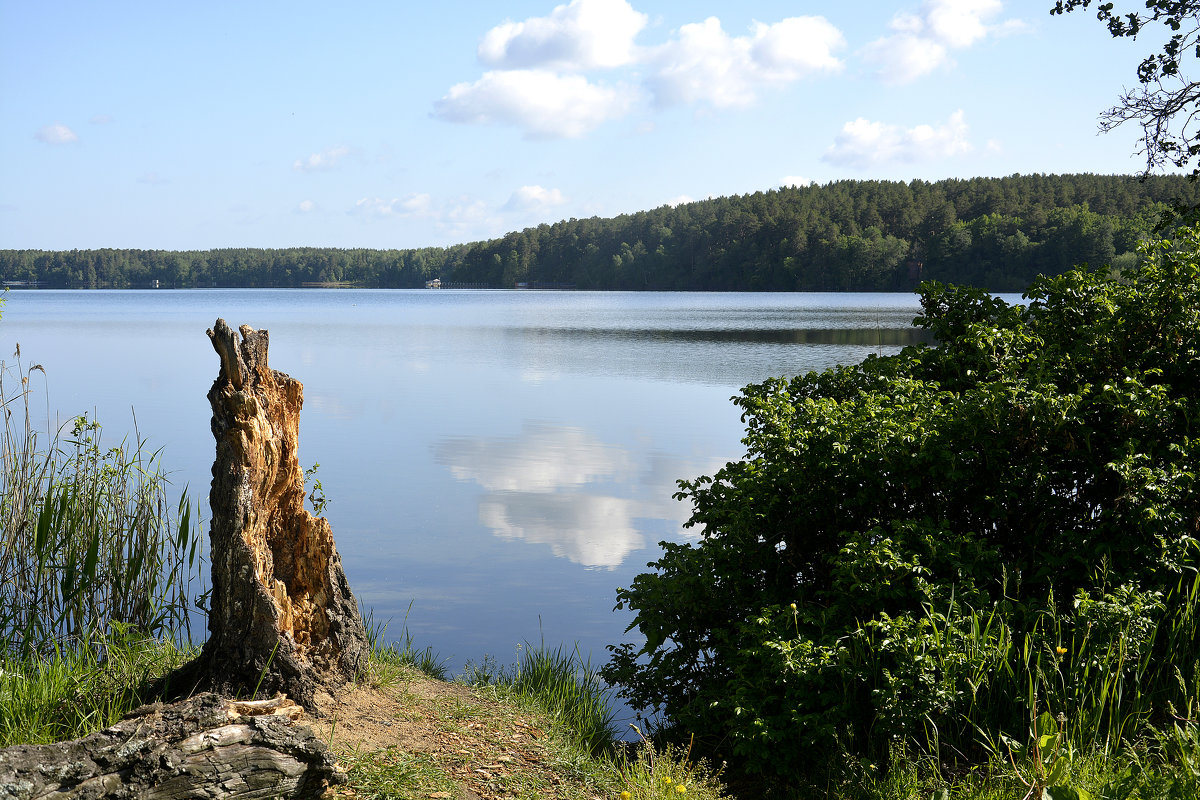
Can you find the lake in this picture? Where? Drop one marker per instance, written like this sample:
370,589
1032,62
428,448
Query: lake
496,463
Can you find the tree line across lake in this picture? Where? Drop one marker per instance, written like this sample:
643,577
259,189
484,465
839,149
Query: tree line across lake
994,233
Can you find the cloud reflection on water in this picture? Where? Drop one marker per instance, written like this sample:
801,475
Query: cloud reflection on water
562,487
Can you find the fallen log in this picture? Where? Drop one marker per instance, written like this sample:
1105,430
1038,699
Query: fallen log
206,746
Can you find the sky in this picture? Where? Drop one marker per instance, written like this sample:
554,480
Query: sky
368,123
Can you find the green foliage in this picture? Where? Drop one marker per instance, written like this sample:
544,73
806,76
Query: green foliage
843,236
919,552
316,494
667,774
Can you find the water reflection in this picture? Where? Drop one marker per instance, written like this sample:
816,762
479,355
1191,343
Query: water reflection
860,337
591,530
560,486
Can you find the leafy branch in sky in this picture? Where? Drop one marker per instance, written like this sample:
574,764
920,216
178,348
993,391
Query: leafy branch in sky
1166,103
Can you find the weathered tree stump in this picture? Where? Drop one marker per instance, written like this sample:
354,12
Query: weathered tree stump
282,620
282,616
202,747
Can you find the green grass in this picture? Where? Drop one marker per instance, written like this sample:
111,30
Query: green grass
68,694
394,773
387,660
564,685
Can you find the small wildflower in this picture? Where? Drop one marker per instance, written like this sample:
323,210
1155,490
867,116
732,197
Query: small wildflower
681,788
1062,651
667,781
793,606
625,795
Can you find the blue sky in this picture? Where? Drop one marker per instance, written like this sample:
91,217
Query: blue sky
403,124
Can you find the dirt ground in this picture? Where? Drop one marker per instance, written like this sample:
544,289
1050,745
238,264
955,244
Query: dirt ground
455,741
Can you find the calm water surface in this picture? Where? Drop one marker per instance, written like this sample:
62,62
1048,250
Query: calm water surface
500,461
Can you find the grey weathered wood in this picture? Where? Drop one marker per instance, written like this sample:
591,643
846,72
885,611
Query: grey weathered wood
203,747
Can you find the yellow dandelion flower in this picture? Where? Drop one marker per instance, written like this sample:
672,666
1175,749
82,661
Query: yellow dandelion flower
667,781
625,795
681,788
1062,651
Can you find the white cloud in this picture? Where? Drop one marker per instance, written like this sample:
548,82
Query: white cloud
862,143
920,43
704,64
543,458
585,34
539,84
534,198
544,104
591,530
459,218
306,206
414,205
681,199
55,134
554,486
326,159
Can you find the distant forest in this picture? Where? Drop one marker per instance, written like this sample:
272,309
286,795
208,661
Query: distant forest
996,233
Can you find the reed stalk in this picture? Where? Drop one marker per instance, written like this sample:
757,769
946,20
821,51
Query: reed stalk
89,539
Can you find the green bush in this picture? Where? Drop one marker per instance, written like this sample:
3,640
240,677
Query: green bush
924,552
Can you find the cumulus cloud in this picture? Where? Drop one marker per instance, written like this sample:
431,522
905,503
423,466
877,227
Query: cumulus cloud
584,34
56,133
543,458
537,80
414,205
534,198
544,104
306,206
326,159
594,531
921,42
704,64
862,144
554,485
459,218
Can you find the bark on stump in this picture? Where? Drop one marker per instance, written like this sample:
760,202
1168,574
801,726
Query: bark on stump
202,747
282,616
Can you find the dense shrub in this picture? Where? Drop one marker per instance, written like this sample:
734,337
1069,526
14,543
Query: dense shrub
923,552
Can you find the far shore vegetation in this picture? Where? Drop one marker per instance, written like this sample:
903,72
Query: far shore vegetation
969,570
843,236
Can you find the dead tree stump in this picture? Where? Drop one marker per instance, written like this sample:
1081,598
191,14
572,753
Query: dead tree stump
203,747
282,616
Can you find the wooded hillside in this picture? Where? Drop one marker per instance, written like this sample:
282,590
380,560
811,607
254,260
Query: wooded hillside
995,233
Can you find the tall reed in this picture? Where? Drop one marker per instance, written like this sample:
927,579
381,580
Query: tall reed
88,535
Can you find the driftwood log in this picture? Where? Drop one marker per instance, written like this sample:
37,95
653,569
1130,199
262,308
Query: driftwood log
282,616
203,747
